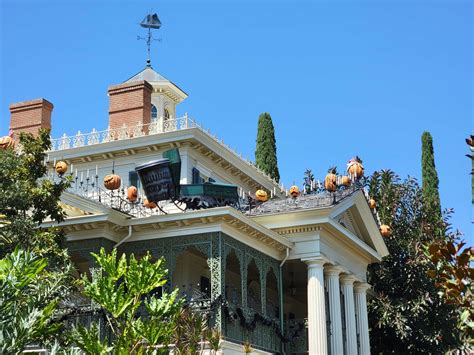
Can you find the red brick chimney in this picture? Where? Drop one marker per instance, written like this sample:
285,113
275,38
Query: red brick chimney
130,103
30,116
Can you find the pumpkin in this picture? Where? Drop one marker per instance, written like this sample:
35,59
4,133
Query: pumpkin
355,168
261,195
149,204
372,203
112,182
294,191
61,167
7,142
385,230
132,193
345,181
330,180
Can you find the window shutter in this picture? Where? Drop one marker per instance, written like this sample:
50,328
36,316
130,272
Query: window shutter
196,176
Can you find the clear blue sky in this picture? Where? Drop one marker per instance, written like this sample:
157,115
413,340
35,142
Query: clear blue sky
339,78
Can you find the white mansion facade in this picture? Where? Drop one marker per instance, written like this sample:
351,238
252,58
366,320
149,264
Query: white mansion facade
288,274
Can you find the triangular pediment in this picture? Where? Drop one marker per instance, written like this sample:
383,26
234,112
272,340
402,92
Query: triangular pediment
355,217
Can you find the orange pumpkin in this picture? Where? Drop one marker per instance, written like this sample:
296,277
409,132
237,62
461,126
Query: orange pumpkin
149,204
7,142
261,195
330,180
132,193
61,167
385,230
294,191
112,182
345,181
372,203
355,168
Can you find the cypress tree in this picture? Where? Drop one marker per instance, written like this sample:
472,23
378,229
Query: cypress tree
265,152
429,177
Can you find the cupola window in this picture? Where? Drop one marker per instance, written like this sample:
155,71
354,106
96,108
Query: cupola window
154,113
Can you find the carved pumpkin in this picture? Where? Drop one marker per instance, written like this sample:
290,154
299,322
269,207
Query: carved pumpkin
132,193
355,168
330,180
345,181
149,204
7,142
385,230
294,191
61,167
372,203
112,182
261,195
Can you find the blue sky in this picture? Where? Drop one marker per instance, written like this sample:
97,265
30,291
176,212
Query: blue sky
339,78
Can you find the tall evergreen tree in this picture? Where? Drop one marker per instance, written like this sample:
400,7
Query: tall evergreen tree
430,177
265,152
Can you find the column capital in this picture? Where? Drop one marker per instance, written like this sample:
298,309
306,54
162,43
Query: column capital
332,270
361,287
315,261
348,279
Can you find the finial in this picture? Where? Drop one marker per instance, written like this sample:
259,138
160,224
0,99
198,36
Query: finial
151,21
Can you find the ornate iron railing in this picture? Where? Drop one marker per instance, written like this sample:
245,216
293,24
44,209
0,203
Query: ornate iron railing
297,331
128,132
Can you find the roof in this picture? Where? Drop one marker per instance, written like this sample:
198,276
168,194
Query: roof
148,74
302,202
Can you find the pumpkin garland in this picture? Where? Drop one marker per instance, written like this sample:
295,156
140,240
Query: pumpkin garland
355,169
112,181
330,181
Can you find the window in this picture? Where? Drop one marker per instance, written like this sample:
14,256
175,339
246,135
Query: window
166,114
133,179
154,113
197,179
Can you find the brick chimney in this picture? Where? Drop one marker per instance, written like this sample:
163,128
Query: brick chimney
30,116
130,103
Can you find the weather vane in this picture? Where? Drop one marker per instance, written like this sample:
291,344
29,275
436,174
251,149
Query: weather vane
150,21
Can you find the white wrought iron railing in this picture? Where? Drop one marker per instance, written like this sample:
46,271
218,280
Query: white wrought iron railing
129,132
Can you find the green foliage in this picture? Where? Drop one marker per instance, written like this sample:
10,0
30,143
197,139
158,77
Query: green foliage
214,337
408,315
35,271
430,177
190,332
266,150
29,295
452,268
123,287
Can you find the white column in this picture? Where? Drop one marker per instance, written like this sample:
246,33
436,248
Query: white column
331,274
347,286
360,292
317,341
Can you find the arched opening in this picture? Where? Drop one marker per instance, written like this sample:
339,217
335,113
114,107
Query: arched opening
166,114
154,113
272,307
233,279
253,287
192,275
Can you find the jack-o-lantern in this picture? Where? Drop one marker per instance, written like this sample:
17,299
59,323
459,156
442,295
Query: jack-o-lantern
132,193
355,168
345,181
61,167
7,142
294,191
372,203
149,204
330,180
261,195
385,230
112,182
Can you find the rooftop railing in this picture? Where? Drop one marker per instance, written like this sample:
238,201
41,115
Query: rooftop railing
125,132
